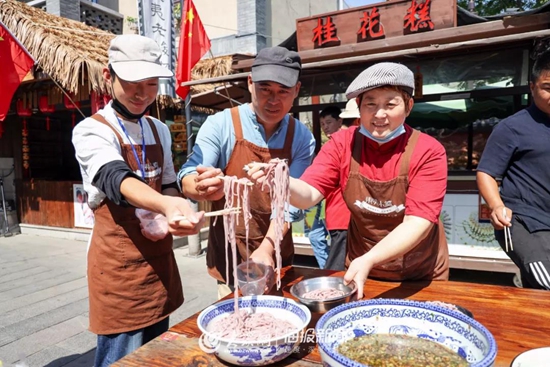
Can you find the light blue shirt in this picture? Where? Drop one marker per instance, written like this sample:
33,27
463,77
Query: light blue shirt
216,140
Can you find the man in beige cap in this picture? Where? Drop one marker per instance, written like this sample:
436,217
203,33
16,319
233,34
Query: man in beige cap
125,161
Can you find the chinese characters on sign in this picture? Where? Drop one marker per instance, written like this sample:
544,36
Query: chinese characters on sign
418,17
157,24
371,28
395,18
325,33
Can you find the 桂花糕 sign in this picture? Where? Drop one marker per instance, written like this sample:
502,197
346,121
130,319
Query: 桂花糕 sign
376,21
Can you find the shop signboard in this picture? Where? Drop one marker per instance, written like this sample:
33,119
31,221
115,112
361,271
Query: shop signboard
375,21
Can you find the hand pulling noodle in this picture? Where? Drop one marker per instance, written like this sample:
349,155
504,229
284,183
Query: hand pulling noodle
278,182
250,326
324,293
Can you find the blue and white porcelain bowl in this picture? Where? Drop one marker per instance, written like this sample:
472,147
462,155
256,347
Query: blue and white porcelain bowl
260,352
460,333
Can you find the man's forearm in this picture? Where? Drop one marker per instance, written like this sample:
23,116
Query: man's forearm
269,240
140,195
171,192
488,188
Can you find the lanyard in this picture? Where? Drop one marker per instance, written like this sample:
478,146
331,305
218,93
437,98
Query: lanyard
140,165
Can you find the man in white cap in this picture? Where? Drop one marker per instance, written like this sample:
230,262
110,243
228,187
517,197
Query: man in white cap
393,179
125,161
253,132
350,114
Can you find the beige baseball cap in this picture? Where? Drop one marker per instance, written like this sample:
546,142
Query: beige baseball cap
134,58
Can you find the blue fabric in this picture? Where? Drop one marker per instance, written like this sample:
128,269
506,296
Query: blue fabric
111,348
392,135
216,140
518,152
318,238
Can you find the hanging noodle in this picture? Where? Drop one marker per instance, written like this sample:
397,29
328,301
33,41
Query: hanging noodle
236,193
278,182
241,325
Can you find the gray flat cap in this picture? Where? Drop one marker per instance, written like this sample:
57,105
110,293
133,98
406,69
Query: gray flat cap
381,74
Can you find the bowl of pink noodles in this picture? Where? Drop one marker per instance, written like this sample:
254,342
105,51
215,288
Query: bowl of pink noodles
324,293
264,330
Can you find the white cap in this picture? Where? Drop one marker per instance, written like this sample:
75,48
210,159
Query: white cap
351,110
134,58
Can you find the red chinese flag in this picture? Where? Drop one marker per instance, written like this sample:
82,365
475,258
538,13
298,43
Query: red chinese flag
194,43
15,63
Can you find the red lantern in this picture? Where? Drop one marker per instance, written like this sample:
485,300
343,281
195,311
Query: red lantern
46,109
71,106
24,112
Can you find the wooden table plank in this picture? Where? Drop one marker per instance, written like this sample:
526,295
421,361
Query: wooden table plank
519,319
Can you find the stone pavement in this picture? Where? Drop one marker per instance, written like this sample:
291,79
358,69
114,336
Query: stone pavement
44,301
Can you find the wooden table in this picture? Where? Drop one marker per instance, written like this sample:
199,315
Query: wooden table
519,319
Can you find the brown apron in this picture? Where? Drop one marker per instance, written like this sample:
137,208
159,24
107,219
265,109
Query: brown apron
133,282
428,260
245,152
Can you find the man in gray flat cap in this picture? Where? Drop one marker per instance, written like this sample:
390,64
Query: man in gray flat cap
393,180
253,132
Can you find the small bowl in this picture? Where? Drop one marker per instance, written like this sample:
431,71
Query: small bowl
259,352
532,358
322,306
253,278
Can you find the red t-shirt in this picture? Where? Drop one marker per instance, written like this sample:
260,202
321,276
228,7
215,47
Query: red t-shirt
427,171
337,214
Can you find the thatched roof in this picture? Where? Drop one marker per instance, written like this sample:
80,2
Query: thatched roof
210,68
71,52
67,50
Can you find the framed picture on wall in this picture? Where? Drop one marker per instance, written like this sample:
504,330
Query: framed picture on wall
83,215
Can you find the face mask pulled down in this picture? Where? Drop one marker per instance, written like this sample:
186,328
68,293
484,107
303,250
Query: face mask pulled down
392,135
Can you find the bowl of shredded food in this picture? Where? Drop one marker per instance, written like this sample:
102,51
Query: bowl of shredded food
323,293
253,330
399,333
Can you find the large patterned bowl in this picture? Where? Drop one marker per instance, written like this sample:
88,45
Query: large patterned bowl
453,329
261,352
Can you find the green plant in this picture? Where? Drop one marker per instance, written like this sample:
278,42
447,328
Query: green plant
131,20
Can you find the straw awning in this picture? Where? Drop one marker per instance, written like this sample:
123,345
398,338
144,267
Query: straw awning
70,52
75,54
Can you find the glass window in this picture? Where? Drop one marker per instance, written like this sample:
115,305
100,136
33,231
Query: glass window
489,70
462,125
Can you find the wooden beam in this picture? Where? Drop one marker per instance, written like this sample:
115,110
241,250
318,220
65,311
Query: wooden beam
507,26
434,48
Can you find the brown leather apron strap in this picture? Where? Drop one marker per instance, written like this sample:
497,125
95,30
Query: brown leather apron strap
237,125
157,138
290,134
102,120
409,149
357,150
